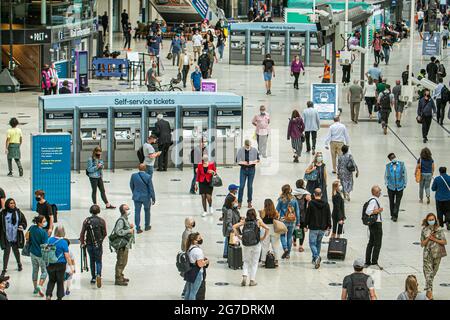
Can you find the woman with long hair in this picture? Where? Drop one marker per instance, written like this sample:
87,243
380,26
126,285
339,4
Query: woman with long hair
426,166
296,127
338,214
320,176
94,169
433,243
268,215
205,171
197,275
297,67
412,290
289,211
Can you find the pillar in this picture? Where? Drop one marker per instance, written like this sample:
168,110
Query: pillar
307,48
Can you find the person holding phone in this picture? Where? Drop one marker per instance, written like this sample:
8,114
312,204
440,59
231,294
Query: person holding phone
95,172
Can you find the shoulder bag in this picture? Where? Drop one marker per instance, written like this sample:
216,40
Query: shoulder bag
418,173
445,183
279,227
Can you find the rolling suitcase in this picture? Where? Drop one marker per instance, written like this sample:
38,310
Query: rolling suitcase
337,248
235,257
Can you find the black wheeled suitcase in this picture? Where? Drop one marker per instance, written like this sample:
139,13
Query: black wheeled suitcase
235,257
337,248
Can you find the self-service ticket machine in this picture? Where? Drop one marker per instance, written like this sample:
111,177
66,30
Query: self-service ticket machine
93,133
195,127
228,141
276,47
59,122
168,115
237,47
127,138
296,46
257,46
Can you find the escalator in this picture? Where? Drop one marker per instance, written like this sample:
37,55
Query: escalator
27,59
189,11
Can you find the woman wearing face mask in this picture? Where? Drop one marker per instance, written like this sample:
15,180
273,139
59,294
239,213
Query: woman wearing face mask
318,171
268,214
345,168
433,243
197,275
296,127
36,236
230,216
12,225
338,214
95,172
287,202
205,171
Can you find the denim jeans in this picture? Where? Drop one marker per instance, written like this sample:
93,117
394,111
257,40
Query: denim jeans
192,288
150,170
246,174
315,242
225,247
137,213
425,184
287,243
36,263
95,259
194,178
387,53
220,49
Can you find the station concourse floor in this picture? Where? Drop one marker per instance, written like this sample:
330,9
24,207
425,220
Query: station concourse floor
151,266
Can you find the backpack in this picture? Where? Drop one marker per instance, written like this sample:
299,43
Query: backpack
117,242
290,214
366,219
250,233
183,263
94,234
385,101
48,252
55,212
358,287
270,261
442,71
445,95
140,154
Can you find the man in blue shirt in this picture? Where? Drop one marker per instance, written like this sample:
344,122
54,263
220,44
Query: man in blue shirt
440,102
141,186
441,185
196,79
175,48
395,179
374,72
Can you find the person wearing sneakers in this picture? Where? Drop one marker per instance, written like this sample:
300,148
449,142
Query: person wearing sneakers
289,210
268,72
141,186
303,197
251,244
398,104
358,285
93,232
376,230
386,102
36,236
13,144
247,157
425,164
125,230
94,170
395,178
45,209
205,171
312,125
336,138
318,221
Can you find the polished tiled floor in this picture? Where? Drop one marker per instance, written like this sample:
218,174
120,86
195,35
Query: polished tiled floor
151,266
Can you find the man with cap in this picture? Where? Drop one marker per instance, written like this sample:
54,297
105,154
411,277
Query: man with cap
4,284
358,285
247,157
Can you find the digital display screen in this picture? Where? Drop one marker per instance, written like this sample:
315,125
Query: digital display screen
83,63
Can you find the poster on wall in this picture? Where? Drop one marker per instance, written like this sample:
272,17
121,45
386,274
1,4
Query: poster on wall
70,81
62,68
209,85
325,99
50,168
431,45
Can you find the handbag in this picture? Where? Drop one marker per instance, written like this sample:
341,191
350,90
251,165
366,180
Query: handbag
216,181
442,251
418,173
302,138
419,119
26,249
279,227
169,56
312,176
351,165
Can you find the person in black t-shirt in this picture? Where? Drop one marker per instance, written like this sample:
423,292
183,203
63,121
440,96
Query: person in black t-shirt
432,70
2,198
268,71
45,209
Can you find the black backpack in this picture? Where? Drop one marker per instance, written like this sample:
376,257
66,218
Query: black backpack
55,212
250,233
94,234
183,264
358,287
442,70
140,154
385,101
366,219
270,261
445,95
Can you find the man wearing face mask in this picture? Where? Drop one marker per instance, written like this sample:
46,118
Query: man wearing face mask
395,179
4,284
247,157
425,112
125,231
261,122
45,209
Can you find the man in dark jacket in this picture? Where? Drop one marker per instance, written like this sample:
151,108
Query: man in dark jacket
124,19
317,220
432,70
164,134
204,63
65,88
425,112
104,21
92,235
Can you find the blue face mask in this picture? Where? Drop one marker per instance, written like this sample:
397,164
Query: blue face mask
45,224
431,222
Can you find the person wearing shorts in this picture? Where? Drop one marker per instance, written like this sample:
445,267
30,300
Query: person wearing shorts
268,72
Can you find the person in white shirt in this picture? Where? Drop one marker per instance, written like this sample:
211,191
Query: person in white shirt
336,138
370,95
197,41
261,122
150,154
375,229
312,125
184,64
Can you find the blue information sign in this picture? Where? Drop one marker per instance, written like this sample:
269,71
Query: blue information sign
325,99
62,68
431,45
201,6
51,168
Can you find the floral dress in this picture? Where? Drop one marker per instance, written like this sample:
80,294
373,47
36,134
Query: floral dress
344,174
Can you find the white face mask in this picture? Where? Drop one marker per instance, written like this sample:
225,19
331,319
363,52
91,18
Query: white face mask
340,189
